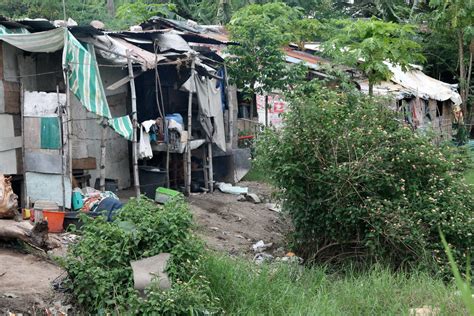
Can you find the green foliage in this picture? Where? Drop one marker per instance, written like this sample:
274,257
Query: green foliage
463,286
306,30
288,289
257,65
368,44
358,184
457,17
139,11
100,275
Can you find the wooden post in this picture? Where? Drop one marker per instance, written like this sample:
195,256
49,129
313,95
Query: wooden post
205,165
230,104
69,126
211,169
63,171
187,170
103,136
24,198
136,180
165,128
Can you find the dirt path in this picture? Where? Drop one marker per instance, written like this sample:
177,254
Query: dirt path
25,282
231,226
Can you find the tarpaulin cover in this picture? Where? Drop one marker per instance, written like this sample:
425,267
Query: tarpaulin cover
41,42
424,86
114,49
83,77
123,126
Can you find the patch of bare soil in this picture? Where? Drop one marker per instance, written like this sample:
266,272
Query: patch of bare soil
25,283
233,226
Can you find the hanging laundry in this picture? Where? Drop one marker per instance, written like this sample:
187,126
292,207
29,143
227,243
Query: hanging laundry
144,148
210,110
50,133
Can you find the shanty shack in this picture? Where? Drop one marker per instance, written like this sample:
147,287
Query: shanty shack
143,108
426,104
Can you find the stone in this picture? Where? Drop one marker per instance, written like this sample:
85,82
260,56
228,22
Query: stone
252,197
149,269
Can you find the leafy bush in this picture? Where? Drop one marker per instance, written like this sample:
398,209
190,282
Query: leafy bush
359,184
100,275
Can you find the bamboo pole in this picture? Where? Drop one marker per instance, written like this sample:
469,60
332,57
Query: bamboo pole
187,170
69,126
63,171
103,150
136,180
24,198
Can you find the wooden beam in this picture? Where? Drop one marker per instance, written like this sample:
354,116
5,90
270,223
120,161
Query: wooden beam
189,129
136,180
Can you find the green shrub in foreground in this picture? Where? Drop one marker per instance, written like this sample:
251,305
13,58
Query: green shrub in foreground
100,275
358,184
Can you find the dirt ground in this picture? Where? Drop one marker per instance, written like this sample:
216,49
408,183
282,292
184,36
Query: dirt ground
25,283
232,226
226,225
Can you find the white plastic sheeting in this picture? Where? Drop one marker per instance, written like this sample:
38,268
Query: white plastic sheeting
414,82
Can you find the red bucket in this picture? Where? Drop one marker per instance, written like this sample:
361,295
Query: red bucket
55,220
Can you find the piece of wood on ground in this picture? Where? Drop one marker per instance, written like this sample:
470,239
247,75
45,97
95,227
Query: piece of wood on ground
36,235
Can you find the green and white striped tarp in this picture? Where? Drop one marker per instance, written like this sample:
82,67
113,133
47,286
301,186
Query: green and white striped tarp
83,77
123,126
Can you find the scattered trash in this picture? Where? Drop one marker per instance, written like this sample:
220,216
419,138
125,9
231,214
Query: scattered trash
229,188
424,311
10,295
273,207
260,258
214,228
58,309
291,258
260,246
240,236
241,198
145,270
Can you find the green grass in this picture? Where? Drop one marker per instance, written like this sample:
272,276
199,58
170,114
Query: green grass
256,174
246,289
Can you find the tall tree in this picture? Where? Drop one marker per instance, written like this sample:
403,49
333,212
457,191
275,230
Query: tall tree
457,16
368,44
258,65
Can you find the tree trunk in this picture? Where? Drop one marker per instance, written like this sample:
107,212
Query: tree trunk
111,7
266,110
462,73
371,88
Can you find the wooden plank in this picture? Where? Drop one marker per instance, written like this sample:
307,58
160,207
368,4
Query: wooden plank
88,163
32,132
12,97
1,60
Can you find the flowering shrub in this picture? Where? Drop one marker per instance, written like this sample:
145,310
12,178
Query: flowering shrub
357,183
